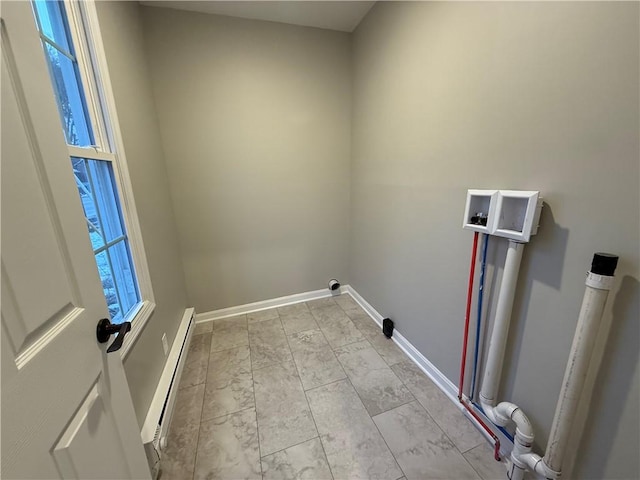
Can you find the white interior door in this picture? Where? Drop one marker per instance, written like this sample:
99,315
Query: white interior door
66,406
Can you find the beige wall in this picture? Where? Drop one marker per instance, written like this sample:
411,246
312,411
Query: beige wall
255,122
536,96
122,36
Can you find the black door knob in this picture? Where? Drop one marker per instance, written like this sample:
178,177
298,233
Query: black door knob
105,329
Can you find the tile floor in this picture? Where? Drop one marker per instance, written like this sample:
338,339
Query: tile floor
314,391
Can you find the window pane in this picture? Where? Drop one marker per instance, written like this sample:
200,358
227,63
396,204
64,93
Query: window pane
109,287
95,181
107,199
53,23
124,275
69,97
88,204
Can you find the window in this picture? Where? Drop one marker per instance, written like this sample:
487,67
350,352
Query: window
108,235
94,159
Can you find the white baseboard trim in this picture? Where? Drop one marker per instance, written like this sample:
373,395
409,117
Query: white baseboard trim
266,304
169,380
430,370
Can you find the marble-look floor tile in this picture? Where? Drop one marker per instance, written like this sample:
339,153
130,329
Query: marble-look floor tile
420,446
321,303
347,303
229,333
336,326
450,419
351,441
481,459
201,328
231,364
314,358
266,327
284,418
195,367
365,324
228,448
229,385
230,397
387,349
305,461
268,343
293,309
359,358
224,323
379,388
262,315
328,313
231,337
353,313
298,322
188,405
178,457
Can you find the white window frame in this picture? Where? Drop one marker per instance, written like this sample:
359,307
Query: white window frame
92,63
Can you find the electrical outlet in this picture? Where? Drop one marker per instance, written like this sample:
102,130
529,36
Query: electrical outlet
165,344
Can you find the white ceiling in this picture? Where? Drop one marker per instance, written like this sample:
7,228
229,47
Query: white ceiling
333,15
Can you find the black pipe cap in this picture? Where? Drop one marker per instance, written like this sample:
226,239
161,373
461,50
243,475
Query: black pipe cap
604,264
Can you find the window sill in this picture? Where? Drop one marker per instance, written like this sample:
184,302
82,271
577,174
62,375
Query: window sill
138,319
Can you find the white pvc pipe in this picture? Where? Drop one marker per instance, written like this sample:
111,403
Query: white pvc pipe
595,297
498,342
522,458
505,413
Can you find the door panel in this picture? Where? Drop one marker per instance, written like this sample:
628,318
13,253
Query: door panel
66,406
38,246
74,451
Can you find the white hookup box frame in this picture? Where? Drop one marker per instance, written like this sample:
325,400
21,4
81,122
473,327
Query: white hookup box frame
512,214
480,201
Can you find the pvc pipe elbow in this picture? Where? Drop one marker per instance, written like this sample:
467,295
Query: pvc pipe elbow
506,412
535,463
524,430
503,413
489,410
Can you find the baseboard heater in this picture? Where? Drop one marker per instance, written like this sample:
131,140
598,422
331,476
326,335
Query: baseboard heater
156,425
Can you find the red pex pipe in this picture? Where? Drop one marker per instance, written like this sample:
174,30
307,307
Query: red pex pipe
472,271
463,363
496,440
